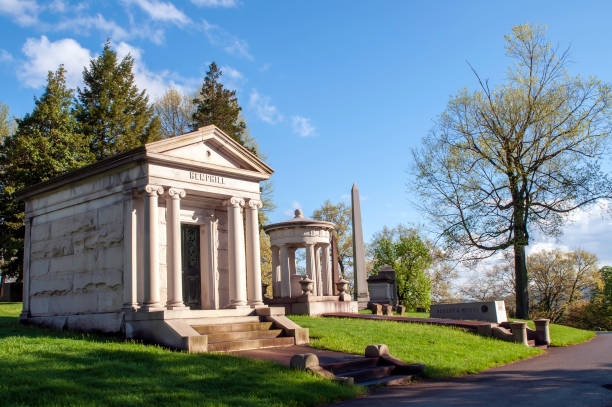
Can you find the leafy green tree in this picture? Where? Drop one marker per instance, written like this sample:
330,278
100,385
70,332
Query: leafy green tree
409,256
502,161
46,143
111,110
219,106
340,215
440,273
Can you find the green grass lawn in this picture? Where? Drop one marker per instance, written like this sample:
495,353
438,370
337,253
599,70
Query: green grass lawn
446,351
560,335
41,367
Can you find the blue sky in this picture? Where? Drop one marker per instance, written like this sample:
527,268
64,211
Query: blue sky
334,92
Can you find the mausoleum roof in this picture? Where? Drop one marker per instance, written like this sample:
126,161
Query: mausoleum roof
299,221
208,148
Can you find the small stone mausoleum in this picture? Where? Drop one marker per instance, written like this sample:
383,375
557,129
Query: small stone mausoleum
312,293
157,243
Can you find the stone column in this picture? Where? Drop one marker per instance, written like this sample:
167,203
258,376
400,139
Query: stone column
311,267
130,253
151,246
325,271
175,268
237,272
292,266
140,246
276,272
208,245
25,312
318,269
285,278
253,255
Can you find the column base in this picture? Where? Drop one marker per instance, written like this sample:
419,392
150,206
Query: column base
177,307
130,307
151,308
256,304
239,306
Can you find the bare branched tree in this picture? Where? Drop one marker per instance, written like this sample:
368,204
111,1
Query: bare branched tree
502,161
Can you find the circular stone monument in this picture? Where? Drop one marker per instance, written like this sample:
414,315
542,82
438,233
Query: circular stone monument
315,236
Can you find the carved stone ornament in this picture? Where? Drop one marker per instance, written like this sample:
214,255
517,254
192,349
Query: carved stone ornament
176,193
154,189
235,202
254,204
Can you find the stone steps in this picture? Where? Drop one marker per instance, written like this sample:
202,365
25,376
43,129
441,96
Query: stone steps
232,327
246,344
368,372
242,333
236,336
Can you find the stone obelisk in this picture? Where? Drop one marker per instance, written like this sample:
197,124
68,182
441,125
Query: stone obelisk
359,268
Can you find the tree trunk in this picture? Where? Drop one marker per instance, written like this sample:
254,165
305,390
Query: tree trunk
522,282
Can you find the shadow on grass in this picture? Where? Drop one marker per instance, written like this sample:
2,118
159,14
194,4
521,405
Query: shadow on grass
48,367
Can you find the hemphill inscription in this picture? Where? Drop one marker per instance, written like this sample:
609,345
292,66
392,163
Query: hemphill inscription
200,176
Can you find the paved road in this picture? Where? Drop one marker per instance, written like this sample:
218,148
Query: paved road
571,376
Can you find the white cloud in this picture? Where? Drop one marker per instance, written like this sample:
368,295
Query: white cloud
58,6
265,111
294,206
215,3
233,45
83,24
232,78
587,229
23,12
302,126
161,11
5,56
44,56
155,83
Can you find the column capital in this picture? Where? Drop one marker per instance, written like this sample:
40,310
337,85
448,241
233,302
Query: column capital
176,193
254,204
154,190
235,202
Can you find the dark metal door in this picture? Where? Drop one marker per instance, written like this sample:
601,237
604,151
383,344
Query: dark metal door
190,244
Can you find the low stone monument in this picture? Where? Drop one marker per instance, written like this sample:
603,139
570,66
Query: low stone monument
493,311
359,268
382,286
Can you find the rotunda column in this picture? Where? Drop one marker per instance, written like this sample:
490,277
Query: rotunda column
285,276
311,267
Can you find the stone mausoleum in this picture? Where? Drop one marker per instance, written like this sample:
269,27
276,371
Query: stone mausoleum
159,243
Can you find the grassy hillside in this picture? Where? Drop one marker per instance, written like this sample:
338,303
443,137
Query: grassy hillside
41,367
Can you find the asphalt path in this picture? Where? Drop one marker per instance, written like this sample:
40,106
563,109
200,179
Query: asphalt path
579,375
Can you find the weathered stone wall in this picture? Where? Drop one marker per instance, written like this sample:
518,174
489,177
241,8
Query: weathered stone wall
77,259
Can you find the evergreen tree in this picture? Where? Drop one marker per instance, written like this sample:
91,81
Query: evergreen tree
219,106
46,143
111,110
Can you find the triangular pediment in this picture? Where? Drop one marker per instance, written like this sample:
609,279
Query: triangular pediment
208,147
